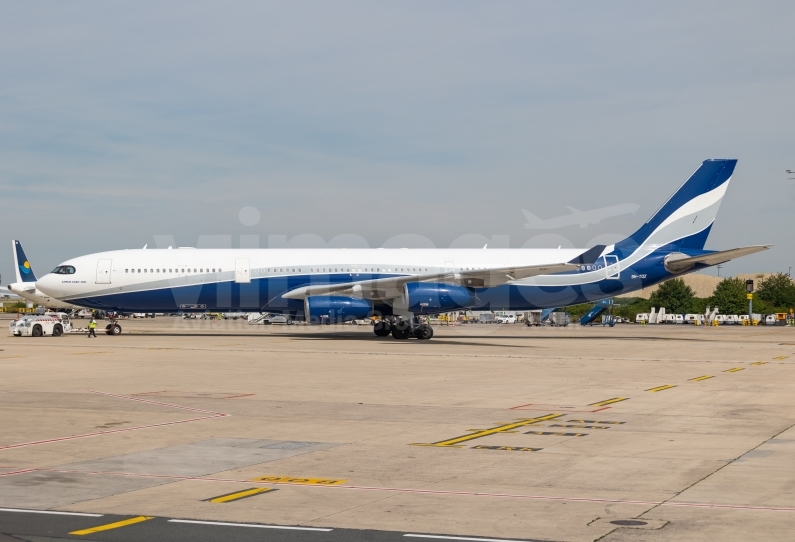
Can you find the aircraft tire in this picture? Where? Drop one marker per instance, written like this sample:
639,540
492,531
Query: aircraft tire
424,332
114,329
401,331
381,328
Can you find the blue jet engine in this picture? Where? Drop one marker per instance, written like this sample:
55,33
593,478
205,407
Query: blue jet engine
332,309
435,298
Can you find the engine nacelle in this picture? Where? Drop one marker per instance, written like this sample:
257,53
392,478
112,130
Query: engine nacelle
435,298
322,309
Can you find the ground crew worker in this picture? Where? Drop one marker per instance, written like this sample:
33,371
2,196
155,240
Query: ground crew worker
92,328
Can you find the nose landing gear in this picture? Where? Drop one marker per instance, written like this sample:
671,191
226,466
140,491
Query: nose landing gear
113,328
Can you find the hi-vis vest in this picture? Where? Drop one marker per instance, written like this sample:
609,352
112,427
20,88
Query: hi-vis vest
92,325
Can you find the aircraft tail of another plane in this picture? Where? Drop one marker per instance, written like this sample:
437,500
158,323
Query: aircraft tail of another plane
685,220
22,265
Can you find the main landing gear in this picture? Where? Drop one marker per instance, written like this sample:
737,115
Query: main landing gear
403,329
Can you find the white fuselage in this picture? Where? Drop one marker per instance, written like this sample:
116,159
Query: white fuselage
139,270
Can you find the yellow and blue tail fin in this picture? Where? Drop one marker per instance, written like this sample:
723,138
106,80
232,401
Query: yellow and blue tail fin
22,267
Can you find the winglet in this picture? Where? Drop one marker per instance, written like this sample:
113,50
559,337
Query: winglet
589,256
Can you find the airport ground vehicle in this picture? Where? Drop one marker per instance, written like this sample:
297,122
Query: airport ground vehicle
40,325
506,319
486,318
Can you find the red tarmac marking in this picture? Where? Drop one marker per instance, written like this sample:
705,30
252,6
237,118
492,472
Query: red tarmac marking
111,431
123,430
23,471
159,403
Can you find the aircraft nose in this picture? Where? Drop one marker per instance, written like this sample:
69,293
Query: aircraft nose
47,284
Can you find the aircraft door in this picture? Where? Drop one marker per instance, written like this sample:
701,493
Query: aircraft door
612,268
103,271
242,271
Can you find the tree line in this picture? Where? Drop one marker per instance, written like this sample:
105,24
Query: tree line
776,293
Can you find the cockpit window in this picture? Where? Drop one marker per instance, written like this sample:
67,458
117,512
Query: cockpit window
64,270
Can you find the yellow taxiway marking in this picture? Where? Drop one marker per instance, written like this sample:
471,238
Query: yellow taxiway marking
661,388
609,401
759,363
456,441
705,377
303,481
781,357
734,370
237,495
109,526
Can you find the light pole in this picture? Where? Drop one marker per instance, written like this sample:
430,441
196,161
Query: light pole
719,269
749,288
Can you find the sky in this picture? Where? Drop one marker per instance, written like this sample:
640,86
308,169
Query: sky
310,124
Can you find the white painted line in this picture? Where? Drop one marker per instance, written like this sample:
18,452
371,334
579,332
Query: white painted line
461,538
222,524
50,512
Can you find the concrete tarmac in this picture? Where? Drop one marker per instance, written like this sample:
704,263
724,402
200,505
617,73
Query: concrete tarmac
664,432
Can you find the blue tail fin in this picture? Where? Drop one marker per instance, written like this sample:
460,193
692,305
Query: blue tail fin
684,221
23,268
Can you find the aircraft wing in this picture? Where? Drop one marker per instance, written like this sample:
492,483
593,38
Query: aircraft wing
679,265
392,287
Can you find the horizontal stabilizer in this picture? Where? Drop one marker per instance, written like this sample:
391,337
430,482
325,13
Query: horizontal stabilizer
679,263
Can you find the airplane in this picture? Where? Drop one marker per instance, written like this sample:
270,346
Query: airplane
5,293
400,285
25,286
583,218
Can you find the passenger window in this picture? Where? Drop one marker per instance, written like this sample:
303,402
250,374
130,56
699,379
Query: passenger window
126,270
